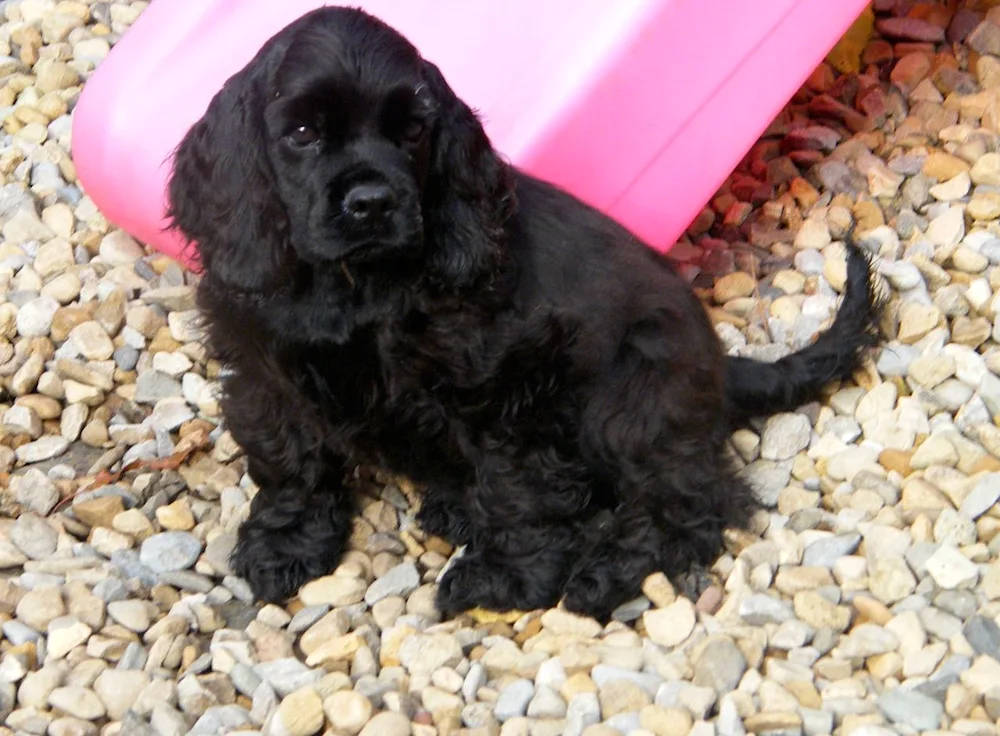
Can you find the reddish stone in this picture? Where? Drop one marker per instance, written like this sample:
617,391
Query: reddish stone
910,29
877,52
871,102
806,158
962,24
910,71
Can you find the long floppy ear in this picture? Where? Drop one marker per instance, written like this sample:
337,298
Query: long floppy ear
469,193
222,193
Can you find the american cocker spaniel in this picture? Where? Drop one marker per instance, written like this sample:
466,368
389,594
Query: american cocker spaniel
385,289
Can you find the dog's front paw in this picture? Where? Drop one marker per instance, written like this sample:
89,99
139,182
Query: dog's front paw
276,563
270,584
593,593
446,519
476,581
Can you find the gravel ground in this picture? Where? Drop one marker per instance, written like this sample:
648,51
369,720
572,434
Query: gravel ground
867,603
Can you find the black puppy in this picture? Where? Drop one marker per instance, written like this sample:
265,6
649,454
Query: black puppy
385,289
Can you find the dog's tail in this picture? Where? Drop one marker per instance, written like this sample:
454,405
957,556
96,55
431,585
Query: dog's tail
755,388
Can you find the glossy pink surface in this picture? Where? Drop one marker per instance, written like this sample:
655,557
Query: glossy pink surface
640,107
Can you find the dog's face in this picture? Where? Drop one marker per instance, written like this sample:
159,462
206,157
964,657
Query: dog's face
348,126
338,145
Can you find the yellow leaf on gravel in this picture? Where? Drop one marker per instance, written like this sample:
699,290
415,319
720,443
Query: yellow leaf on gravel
482,616
846,55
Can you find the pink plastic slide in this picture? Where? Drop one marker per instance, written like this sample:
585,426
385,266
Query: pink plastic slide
640,107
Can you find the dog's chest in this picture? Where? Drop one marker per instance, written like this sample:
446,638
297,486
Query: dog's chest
431,387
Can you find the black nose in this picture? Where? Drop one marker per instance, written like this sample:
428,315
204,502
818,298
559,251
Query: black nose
369,201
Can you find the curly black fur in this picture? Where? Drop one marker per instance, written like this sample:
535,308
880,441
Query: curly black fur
551,380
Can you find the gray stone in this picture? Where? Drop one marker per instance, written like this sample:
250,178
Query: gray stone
127,560
983,634
895,360
583,710
719,665
221,719
110,589
169,551
631,610
17,633
35,491
981,498
729,722
44,448
914,709
547,703
818,722
151,386
867,640
603,674
475,679
625,723
400,581
34,536
34,319
939,623
784,436
826,551
513,700
187,580
960,603
126,357
768,478
307,617
133,658
759,609
287,675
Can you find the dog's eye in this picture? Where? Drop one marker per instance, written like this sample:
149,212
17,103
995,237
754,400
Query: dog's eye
413,131
303,135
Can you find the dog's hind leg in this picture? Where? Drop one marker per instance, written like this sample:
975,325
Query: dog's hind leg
654,427
673,522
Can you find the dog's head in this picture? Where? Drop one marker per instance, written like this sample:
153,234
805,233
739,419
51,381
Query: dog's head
338,145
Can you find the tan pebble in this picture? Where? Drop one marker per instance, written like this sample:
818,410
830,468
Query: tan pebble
348,711
806,693
671,625
576,684
658,588
943,166
336,650
871,610
301,713
99,511
95,433
733,286
622,696
334,624
884,666
898,460
818,612
665,721
959,702
483,617
387,723
600,729
334,590
387,610
563,622
176,516
773,722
